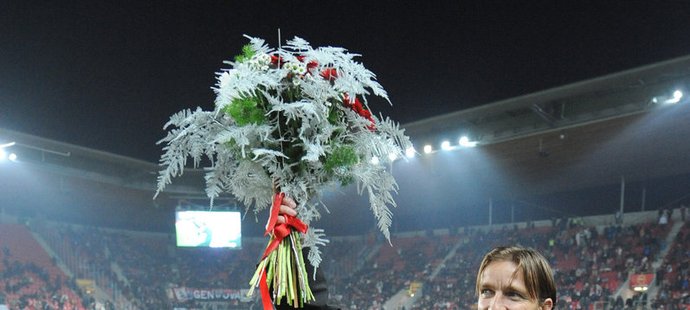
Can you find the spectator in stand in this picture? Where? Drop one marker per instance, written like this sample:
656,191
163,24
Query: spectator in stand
515,278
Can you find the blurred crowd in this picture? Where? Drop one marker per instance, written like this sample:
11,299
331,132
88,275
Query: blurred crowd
437,270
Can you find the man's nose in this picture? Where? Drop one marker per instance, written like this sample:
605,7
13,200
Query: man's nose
497,303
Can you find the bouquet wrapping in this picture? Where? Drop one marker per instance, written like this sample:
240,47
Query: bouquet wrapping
289,121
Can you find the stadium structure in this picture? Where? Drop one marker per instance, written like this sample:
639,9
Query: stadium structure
572,171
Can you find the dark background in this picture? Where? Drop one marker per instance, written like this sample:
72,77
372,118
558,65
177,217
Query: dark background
108,74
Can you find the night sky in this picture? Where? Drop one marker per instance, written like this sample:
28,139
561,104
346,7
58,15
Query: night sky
107,75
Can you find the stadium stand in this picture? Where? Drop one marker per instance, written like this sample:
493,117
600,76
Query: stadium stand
29,277
433,269
673,275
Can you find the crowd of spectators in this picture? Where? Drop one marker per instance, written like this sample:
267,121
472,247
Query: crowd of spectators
149,266
29,280
85,252
392,269
598,262
673,277
591,264
28,286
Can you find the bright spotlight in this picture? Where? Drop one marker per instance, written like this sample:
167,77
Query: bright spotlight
392,156
673,99
677,95
4,155
445,145
427,149
464,140
375,160
410,152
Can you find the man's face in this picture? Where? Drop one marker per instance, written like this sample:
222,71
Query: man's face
499,289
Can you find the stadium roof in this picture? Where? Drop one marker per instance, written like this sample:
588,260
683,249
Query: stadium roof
622,115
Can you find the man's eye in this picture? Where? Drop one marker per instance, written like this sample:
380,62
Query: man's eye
486,293
515,295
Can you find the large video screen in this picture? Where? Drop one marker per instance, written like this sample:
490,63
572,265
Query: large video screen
215,229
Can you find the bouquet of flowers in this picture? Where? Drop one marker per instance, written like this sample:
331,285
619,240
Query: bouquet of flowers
289,121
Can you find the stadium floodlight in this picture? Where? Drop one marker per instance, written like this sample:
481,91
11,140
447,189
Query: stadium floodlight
392,156
375,160
4,155
410,152
677,95
673,99
427,149
445,145
465,142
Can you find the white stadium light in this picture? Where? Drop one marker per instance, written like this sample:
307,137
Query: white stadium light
672,99
445,145
375,160
410,152
4,155
677,95
392,156
465,142
427,149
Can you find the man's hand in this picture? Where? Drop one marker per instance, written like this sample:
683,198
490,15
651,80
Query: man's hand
288,207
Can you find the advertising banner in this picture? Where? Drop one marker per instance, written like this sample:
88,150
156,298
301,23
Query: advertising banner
183,294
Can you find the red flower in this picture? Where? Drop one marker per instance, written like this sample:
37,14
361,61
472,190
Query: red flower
277,60
329,73
365,113
358,107
310,65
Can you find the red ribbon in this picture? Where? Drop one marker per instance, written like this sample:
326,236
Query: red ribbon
279,231
275,209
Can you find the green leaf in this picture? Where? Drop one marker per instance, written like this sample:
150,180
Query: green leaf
247,53
333,115
340,161
245,111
